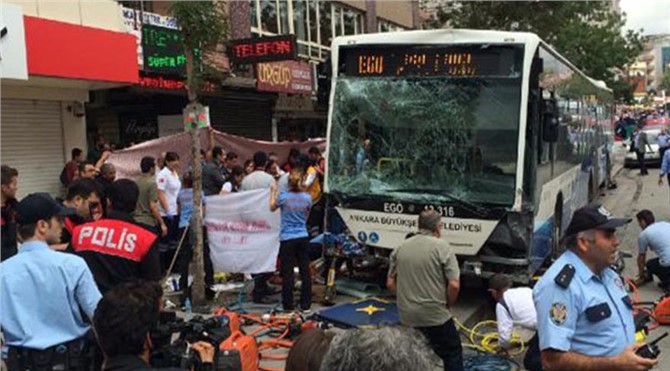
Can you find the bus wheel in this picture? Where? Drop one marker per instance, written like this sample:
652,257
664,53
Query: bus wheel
556,229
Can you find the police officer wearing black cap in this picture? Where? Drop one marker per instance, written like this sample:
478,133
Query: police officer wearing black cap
584,315
42,291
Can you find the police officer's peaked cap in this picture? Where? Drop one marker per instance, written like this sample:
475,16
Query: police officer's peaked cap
593,217
40,206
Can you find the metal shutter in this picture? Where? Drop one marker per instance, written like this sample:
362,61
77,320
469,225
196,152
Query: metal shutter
31,135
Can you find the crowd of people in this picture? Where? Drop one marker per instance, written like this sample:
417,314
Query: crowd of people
107,233
98,254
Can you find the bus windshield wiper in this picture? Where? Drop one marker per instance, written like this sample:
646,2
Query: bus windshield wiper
481,211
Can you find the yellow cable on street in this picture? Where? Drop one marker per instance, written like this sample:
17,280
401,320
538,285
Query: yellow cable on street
489,340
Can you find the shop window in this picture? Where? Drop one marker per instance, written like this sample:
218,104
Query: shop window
303,50
300,17
313,22
360,23
386,26
253,19
326,22
315,52
349,22
283,17
337,20
269,16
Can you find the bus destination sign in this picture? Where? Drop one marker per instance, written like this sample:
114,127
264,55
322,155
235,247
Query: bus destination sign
434,60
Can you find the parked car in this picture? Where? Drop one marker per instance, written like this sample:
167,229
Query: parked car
651,157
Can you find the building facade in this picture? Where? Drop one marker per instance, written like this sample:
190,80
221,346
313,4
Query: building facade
54,55
658,54
89,68
245,103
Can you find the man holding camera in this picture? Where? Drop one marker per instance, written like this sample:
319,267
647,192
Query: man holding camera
123,323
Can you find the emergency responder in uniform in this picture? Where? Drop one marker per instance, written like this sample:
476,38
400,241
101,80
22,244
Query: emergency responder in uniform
584,315
44,294
116,248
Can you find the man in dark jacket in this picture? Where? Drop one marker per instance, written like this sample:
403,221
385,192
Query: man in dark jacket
83,195
641,147
10,185
212,179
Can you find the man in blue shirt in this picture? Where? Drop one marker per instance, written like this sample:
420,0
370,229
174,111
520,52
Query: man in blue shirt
665,168
584,315
655,236
663,141
42,290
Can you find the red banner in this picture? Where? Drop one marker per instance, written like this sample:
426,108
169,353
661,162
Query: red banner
284,77
127,160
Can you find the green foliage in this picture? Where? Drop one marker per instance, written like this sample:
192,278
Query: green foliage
586,32
623,90
665,83
203,23
204,27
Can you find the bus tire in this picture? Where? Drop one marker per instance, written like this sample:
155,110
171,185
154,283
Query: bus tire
556,249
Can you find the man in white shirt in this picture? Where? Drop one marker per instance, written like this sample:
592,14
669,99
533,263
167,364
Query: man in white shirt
515,308
259,179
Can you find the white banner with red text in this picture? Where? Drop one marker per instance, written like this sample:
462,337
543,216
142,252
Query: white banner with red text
243,233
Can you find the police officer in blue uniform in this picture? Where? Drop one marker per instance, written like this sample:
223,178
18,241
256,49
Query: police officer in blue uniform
584,315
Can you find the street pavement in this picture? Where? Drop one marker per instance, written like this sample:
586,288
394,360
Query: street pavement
635,193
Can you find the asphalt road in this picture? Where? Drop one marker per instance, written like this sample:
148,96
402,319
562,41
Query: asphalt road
635,193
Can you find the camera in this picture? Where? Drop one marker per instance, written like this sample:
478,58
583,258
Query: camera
172,338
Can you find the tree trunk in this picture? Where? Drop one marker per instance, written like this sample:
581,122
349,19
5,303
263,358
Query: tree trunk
198,288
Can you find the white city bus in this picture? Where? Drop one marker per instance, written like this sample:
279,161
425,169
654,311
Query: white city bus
495,130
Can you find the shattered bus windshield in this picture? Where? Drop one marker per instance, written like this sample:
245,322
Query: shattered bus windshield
426,138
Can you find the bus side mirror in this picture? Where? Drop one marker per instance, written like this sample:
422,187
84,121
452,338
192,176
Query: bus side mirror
550,121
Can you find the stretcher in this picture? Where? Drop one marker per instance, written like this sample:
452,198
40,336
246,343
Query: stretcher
365,313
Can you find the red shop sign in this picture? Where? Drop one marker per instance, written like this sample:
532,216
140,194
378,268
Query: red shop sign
264,49
161,82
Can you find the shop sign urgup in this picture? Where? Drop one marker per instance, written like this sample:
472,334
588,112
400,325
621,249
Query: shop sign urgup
284,77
